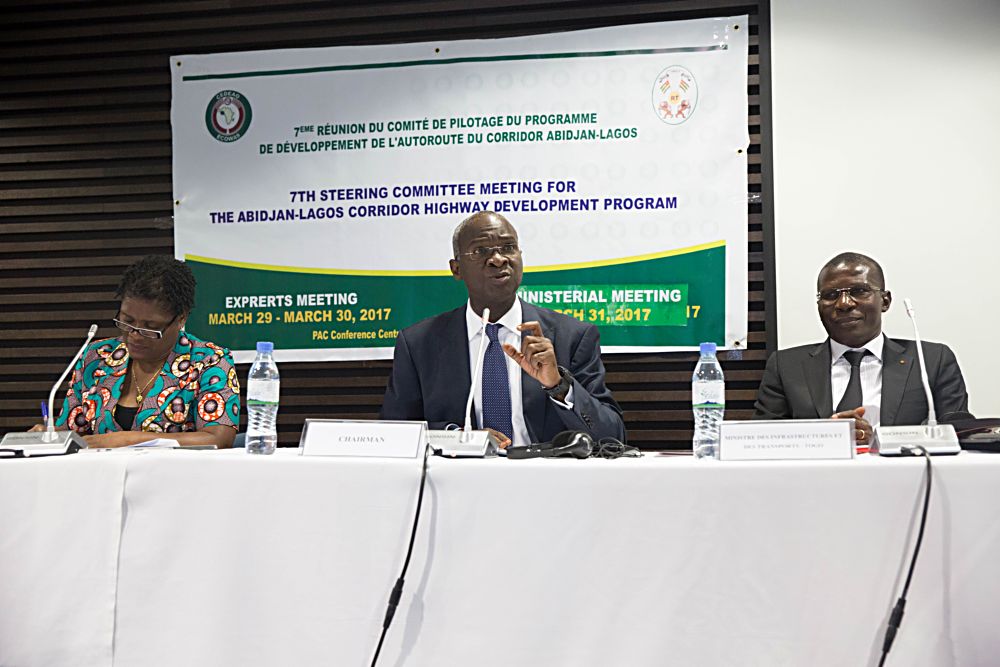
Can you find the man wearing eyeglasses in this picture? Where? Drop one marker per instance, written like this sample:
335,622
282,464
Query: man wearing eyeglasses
858,372
542,370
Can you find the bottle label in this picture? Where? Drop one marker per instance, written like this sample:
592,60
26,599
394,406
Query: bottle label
262,393
708,395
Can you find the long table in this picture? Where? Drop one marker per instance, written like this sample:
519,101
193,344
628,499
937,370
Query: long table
222,558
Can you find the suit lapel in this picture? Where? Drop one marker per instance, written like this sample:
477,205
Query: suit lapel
896,365
817,371
533,398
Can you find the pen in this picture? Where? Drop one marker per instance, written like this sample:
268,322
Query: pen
45,414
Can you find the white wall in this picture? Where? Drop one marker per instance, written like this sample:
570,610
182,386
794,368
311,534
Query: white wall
887,142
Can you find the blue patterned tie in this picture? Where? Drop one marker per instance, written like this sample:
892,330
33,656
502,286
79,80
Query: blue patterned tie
496,386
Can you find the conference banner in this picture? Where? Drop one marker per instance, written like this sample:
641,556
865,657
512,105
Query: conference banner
316,190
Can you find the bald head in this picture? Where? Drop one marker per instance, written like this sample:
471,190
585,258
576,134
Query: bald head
474,222
488,260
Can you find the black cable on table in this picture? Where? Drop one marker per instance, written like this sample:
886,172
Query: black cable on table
397,590
896,617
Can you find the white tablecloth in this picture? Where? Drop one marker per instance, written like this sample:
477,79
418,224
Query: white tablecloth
60,522
228,559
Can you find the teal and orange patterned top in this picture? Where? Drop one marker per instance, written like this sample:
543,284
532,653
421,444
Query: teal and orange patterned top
197,387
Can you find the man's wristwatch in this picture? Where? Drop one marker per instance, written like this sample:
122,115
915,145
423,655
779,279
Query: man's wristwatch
560,391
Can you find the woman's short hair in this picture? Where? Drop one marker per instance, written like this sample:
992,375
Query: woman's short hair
160,278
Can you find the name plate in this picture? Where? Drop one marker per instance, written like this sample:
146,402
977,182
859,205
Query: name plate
787,440
357,437
41,443
457,443
939,439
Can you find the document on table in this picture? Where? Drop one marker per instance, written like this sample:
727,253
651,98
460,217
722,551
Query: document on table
158,443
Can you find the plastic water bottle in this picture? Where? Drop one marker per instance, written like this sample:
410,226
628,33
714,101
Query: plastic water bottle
708,400
263,385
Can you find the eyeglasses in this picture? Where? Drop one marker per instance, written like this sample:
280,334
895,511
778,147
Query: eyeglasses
856,292
145,333
483,253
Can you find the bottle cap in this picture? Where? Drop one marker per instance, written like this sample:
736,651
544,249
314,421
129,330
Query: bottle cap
706,348
265,346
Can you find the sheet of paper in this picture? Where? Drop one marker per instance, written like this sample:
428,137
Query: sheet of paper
158,443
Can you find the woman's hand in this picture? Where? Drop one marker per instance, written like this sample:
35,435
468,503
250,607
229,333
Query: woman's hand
114,439
220,436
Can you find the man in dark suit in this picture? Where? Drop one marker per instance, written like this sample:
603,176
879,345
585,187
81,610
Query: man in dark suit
542,370
858,365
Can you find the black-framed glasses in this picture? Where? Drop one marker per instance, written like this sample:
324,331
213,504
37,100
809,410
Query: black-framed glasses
145,333
856,292
483,253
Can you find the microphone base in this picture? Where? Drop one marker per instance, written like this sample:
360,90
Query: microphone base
465,444
41,443
940,439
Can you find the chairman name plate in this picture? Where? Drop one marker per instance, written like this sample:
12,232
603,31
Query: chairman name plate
358,437
787,440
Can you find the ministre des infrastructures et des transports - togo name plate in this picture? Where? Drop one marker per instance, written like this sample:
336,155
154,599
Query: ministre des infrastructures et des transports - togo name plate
787,440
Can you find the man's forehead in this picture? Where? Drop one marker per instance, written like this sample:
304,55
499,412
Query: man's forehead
845,272
488,228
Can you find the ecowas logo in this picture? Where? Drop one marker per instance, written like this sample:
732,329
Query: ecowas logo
228,116
675,95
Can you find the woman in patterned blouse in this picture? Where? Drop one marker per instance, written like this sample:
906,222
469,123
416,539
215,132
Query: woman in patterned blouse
154,380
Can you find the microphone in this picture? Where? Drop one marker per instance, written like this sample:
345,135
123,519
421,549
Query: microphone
929,439
467,441
479,368
50,431
931,415
934,438
48,442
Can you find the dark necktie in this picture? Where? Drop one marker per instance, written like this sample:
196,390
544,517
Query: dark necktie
496,386
853,396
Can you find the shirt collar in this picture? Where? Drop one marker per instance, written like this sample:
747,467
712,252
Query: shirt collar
510,319
874,346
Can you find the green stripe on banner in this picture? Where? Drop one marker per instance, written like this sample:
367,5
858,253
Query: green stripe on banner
452,61
677,300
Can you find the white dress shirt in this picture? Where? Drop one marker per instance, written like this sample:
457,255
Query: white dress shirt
871,375
507,333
